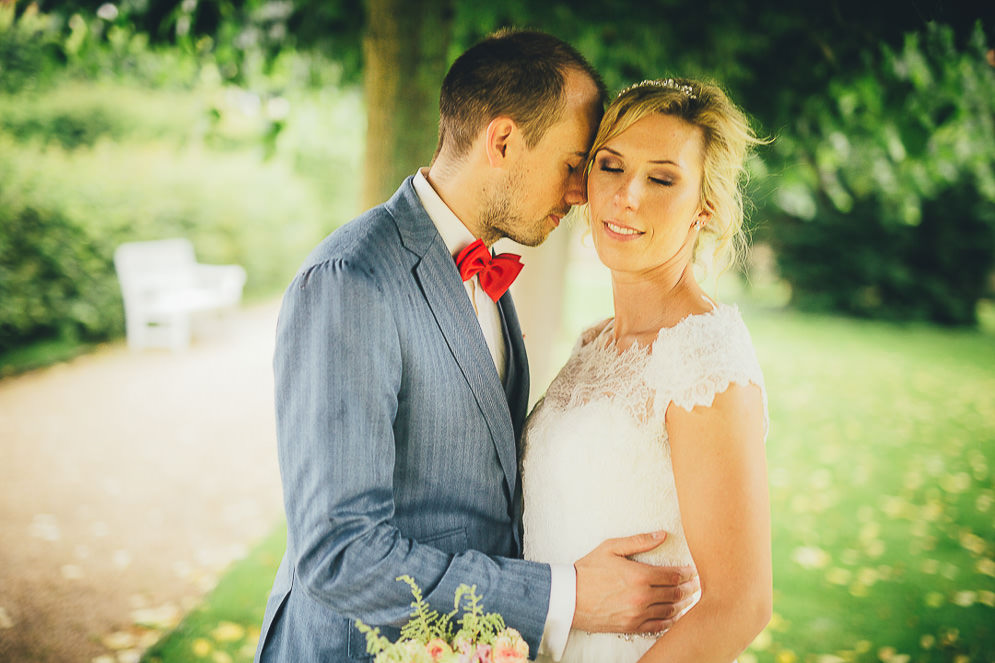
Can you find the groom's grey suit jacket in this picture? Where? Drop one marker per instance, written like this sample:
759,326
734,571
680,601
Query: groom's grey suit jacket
397,443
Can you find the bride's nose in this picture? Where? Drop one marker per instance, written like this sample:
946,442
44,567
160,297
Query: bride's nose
628,193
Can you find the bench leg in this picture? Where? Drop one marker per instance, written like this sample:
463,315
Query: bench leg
179,331
172,332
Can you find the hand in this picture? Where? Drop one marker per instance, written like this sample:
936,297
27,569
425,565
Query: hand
618,595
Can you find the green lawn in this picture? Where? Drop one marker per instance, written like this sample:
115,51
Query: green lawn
225,627
880,453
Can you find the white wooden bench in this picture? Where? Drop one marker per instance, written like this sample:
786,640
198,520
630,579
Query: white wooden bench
164,287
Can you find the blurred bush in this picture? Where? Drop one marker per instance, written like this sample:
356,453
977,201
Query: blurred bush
105,151
882,194
65,212
30,48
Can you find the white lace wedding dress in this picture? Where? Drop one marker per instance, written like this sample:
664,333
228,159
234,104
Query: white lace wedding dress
596,461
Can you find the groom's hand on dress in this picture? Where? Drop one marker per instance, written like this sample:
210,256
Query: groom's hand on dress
618,595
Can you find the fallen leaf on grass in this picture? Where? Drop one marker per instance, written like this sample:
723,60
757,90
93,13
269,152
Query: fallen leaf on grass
228,632
838,576
118,640
986,566
810,557
964,599
201,647
164,617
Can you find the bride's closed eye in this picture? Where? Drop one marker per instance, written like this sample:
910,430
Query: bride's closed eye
610,165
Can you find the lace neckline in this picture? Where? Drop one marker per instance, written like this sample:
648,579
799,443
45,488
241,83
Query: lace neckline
604,342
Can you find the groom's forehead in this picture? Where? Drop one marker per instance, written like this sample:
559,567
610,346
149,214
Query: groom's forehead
573,134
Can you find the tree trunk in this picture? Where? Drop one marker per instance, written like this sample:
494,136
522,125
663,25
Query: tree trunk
406,50
406,57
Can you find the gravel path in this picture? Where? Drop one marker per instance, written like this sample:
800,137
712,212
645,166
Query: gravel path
128,482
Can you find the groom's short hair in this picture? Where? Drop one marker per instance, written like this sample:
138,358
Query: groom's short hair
518,73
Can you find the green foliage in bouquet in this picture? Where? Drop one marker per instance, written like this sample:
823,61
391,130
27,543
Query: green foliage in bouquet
431,637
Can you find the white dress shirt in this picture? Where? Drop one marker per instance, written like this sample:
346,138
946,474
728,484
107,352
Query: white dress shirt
563,578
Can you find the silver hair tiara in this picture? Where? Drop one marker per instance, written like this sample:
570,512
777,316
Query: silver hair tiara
668,83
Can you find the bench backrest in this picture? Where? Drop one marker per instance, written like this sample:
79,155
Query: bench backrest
155,265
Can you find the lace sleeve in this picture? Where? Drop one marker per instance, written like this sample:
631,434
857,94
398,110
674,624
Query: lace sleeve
700,358
590,333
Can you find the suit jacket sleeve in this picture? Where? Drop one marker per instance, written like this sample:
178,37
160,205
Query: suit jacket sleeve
338,367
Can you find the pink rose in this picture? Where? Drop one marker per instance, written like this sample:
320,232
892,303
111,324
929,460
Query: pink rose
463,644
437,647
504,654
510,647
484,653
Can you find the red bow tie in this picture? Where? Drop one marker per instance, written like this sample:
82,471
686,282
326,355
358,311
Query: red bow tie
495,273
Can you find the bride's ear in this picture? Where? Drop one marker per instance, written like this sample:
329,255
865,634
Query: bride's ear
704,215
499,137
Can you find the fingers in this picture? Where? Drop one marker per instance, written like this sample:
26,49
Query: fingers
616,594
657,618
670,595
655,626
669,604
670,576
686,596
635,544
693,585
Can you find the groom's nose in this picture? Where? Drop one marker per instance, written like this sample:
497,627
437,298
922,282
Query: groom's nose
576,193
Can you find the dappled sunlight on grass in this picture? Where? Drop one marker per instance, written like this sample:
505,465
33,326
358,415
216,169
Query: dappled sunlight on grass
880,460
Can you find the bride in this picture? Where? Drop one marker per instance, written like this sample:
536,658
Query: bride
658,420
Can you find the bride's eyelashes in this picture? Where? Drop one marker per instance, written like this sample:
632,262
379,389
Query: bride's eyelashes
609,165
612,165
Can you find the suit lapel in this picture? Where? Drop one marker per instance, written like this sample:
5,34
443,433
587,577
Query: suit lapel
517,391
517,375
445,294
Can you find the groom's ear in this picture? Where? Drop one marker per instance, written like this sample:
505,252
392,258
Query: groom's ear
498,138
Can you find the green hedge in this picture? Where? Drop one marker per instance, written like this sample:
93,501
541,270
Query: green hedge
105,140
62,213
76,114
881,197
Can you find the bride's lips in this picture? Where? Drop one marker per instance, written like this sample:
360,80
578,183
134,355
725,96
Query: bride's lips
620,231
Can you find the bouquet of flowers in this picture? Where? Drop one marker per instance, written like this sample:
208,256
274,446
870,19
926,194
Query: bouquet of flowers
429,637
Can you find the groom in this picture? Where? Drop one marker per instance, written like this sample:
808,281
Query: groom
401,388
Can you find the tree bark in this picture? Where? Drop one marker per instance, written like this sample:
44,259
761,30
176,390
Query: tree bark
406,57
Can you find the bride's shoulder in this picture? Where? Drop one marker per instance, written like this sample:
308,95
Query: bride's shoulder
706,354
722,322
704,342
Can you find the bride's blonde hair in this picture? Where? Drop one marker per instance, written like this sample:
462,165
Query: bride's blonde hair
728,139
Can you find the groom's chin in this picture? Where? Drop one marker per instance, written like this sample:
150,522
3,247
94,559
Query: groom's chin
541,233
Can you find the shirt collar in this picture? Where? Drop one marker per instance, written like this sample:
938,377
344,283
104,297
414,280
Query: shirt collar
455,235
